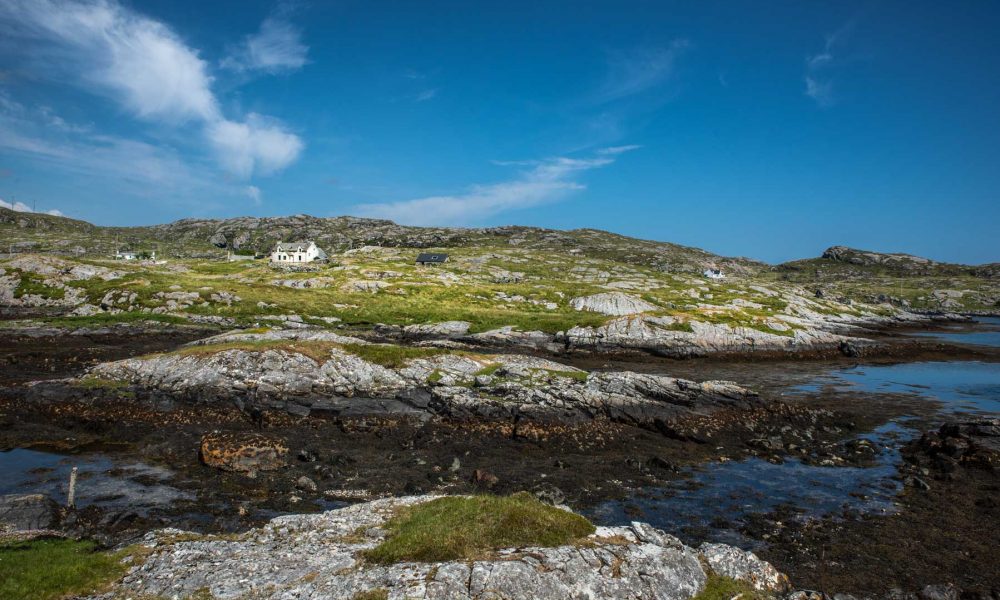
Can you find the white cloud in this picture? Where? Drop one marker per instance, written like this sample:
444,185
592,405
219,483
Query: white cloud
253,192
275,48
22,207
818,78
256,145
141,62
638,71
614,150
143,65
426,95
545,181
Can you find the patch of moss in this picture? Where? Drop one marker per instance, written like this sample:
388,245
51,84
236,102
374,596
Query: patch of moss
719,587
456,528
55,568
379,594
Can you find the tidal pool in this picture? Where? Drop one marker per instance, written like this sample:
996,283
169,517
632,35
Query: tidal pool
737,490
100,481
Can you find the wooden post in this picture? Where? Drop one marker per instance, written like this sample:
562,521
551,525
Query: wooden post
71,501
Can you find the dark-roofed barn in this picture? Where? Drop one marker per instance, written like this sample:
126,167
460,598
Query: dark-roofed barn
431,259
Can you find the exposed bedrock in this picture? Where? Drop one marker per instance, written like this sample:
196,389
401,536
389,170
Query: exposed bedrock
328,378
318,556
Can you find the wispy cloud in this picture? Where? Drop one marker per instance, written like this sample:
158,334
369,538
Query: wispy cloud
615,150
818,78
133,166
275,48
22,207
541,182
143,65
426,95
253,192
638,71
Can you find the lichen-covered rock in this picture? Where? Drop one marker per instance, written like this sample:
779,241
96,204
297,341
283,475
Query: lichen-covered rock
242,452
745,566
443,329
318,556
612,303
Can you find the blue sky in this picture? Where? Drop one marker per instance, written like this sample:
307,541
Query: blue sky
764,129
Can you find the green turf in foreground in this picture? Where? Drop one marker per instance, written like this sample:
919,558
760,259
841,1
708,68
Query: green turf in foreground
55,568
725,588
472,527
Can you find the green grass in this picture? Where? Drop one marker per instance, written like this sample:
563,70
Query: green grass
725,588
471,527
55,568
33,284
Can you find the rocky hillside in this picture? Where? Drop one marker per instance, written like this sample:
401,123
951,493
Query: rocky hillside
861,263
212,237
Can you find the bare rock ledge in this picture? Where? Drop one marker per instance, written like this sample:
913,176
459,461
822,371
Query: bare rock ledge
317,556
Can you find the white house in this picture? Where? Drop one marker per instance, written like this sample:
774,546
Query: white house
297,252
714,274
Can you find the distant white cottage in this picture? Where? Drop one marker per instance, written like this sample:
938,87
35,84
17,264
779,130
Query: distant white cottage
714,274
297,252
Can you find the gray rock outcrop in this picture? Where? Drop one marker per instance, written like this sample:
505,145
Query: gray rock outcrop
317,556
488,388
612,303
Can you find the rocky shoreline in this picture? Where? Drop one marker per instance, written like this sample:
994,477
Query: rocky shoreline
317,556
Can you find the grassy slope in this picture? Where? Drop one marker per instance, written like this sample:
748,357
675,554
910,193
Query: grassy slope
470,287
54,568
554,267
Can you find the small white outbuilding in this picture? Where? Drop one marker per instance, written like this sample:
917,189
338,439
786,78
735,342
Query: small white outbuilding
714,274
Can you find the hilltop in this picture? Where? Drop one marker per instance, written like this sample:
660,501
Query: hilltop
208,238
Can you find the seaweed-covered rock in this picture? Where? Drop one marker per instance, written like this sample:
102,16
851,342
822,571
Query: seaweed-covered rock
243,452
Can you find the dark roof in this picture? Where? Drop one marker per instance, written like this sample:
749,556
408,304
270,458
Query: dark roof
432,258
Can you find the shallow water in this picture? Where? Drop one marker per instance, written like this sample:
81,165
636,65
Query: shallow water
100,480
985,332
739,489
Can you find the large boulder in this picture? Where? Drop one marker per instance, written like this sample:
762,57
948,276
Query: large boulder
245,453
24,512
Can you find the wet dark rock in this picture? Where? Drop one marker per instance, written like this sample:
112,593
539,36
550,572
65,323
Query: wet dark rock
22,512
305,484
549,494
484,478
849,349
918,483
940,592
308,456
967,443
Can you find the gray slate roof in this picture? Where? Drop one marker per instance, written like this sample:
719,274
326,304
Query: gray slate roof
432,258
